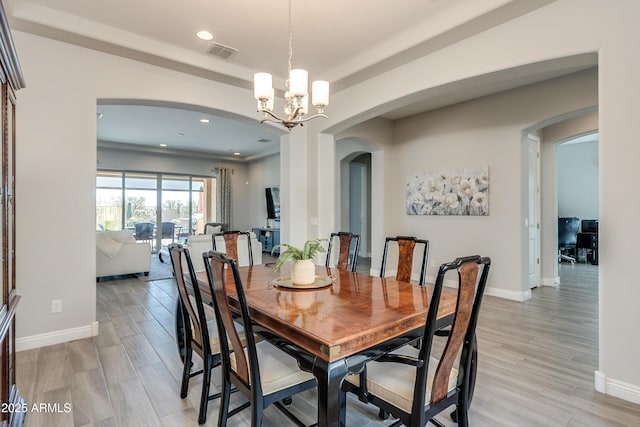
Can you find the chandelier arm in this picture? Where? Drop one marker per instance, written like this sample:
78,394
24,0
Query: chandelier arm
277,119
315,116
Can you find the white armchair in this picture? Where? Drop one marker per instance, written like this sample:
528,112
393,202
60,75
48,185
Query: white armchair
200,243
117,252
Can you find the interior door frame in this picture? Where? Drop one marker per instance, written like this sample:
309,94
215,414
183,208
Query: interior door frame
532,220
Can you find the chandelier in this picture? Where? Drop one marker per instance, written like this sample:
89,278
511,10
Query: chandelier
296,96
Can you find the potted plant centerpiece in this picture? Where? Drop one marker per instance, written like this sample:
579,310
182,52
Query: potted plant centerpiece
303,269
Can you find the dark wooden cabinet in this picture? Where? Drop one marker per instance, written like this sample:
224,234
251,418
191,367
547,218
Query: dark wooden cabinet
11,80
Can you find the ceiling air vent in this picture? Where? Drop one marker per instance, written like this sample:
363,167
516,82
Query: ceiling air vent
264,140
221,51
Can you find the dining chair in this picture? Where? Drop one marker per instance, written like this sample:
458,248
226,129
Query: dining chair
144,231
344,240
413,385
231,243
406,249
200,330
261,371
168,231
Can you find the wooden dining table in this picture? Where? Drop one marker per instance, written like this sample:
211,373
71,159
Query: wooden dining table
334,330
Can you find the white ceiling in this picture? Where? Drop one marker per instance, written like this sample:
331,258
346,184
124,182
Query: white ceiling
336,40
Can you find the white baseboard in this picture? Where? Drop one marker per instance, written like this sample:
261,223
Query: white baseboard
511,295
550,281
56,337
617,388
450,283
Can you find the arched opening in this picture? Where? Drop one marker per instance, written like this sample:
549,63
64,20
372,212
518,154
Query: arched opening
354,196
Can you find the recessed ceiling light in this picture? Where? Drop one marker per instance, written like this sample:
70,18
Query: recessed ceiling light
163,145
204,35
100,115
236,154
204,120
180,134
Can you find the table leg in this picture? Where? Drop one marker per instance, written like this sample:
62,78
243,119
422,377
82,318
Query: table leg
331,399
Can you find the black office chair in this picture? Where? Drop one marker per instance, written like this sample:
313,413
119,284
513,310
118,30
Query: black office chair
567,238
343,240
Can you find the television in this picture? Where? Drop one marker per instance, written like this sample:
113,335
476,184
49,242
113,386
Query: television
589,225
273,202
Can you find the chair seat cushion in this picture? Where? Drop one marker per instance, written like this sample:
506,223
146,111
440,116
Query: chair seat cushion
209,312
278,370
394,382
214,341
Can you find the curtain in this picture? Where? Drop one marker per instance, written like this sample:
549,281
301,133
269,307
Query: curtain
224,199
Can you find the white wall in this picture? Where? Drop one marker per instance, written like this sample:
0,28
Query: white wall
56,156
578,180
262,174
470,135
560,29
56,166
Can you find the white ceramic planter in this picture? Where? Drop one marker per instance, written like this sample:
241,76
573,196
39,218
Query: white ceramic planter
303,272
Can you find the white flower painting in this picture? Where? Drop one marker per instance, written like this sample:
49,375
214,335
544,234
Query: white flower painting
452,192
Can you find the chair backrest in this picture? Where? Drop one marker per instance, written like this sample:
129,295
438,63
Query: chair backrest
568,231
406,246
192,309
220,268
462,333
144,230
231,243
167,229
344,240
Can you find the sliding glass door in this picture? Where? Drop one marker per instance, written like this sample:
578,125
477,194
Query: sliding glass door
203,195
109,201
138,202
176,208
141,199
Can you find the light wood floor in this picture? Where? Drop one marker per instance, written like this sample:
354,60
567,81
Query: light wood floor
537,362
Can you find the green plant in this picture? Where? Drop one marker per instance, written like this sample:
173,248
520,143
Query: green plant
309,251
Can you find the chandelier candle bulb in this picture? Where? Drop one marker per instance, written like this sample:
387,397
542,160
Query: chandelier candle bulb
262,86
320,93
271,101
298,82
268,105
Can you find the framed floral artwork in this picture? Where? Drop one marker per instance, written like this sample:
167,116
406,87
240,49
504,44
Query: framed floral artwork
449,192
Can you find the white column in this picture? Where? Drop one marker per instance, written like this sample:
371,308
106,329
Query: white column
293,187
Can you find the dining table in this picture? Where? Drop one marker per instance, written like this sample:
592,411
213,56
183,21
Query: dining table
335,329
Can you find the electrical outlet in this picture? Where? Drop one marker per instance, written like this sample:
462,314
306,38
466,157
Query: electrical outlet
56,306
